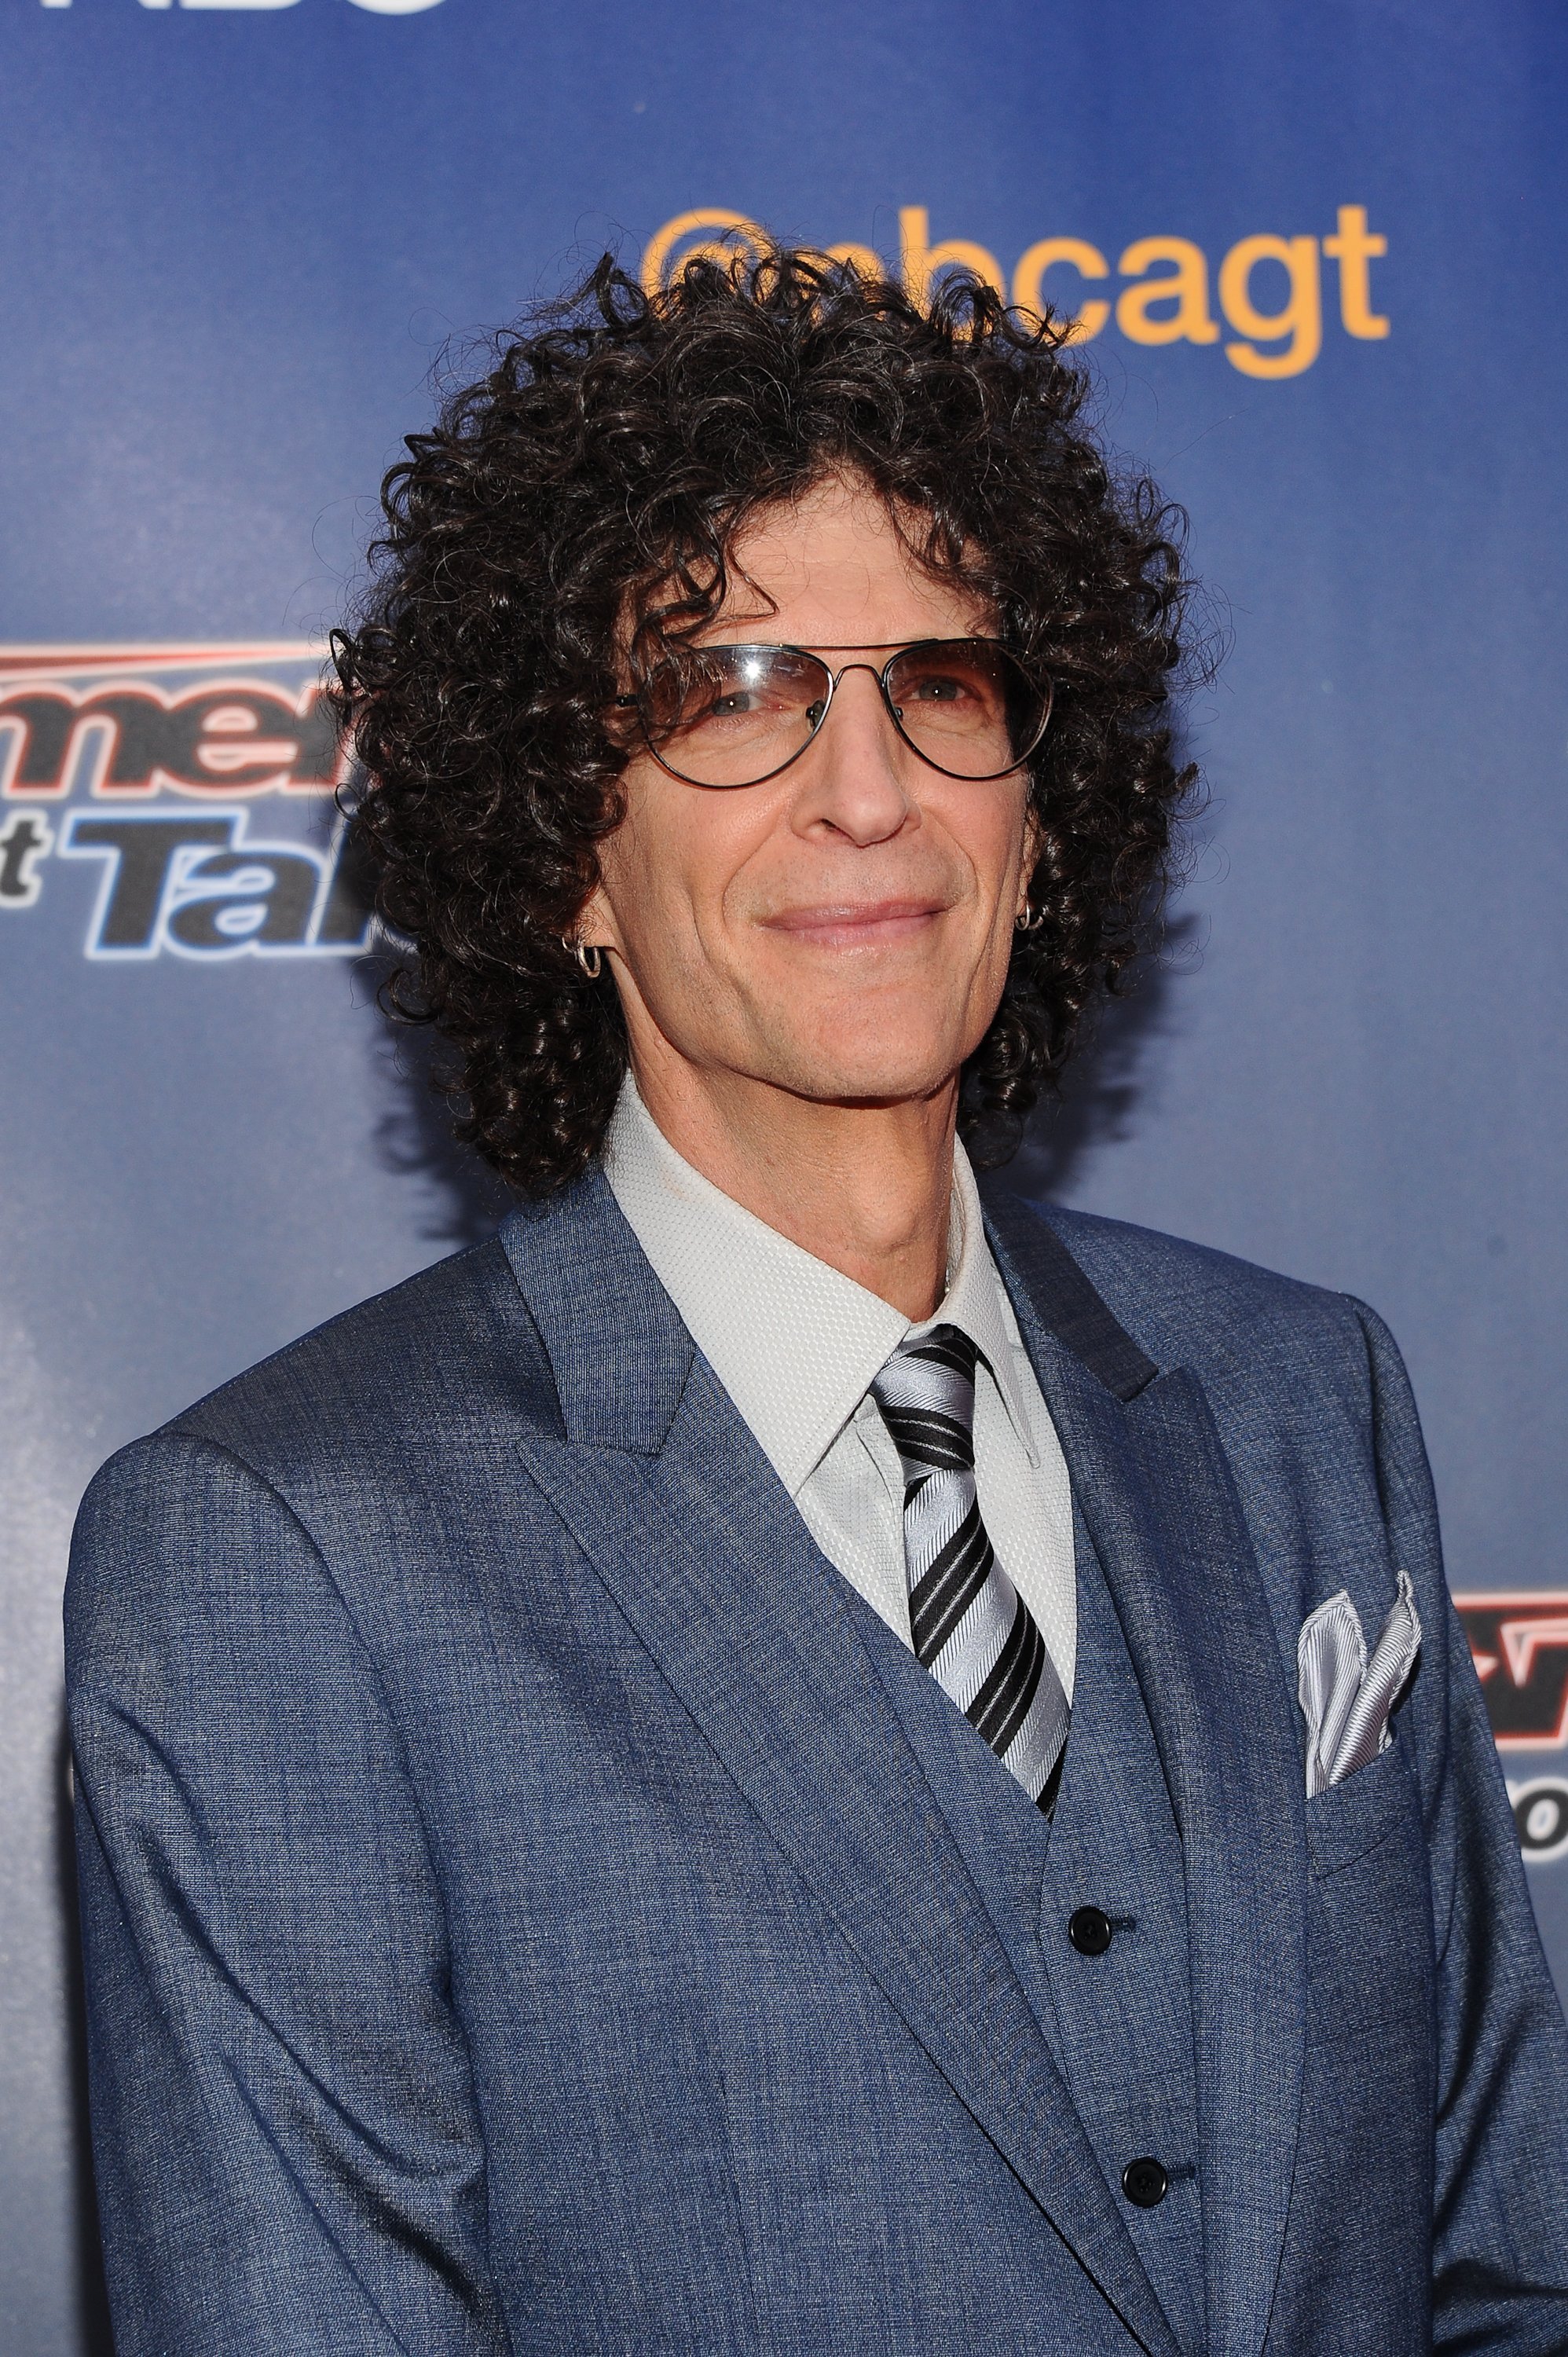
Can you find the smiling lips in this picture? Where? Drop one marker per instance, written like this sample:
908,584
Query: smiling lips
855,925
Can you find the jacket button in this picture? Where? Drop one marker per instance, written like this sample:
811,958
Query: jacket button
1145,2182
1089,1928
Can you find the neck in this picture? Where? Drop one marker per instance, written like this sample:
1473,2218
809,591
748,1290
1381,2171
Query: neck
866,1188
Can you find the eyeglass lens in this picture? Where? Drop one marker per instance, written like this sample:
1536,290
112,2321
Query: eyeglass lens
734,715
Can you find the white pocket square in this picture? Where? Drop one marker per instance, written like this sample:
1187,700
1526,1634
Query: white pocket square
1346,1699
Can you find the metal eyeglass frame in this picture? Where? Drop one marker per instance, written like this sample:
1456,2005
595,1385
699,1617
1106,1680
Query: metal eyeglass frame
893,650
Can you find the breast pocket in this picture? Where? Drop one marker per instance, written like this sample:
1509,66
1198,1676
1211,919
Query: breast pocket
1350,1820
1369,1960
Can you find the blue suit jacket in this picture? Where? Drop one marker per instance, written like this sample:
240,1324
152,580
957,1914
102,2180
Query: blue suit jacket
516,1918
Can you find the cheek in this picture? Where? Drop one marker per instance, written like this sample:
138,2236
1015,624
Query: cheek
991,839
667,871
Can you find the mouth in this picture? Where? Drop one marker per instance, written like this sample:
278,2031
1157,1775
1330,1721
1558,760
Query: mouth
857,925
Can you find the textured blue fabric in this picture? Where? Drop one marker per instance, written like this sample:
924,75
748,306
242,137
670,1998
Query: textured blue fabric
519,1915
1118,2025
1121,2023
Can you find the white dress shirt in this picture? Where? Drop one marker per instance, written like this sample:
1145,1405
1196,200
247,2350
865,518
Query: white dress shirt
795,1344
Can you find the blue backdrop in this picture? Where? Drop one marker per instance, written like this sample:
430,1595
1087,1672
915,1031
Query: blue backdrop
1321,256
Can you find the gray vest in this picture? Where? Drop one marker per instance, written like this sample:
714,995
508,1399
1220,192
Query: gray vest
1118,2018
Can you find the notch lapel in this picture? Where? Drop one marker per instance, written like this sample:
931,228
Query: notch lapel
1151,1476
682,1518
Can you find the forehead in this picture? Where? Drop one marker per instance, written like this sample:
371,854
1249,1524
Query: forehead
831,568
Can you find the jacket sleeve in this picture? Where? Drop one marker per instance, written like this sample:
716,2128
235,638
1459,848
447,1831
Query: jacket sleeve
1501,2223
287,2147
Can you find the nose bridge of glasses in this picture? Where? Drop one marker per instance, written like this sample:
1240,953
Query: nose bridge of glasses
878,676
859,779
878,718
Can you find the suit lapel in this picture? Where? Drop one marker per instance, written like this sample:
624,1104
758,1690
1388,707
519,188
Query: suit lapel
665,1490
1151,1476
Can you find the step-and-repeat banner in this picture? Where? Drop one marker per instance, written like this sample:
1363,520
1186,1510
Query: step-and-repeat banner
1317,260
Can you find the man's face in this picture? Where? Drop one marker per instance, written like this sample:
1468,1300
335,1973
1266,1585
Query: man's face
842,931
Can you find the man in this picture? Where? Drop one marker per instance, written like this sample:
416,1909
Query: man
775,1761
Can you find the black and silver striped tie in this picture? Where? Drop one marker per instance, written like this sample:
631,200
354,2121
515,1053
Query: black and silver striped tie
969,1626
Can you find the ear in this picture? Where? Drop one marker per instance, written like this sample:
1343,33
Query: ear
1034,843
596,927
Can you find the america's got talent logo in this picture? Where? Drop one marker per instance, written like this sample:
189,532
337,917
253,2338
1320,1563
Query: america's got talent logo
198,782
1519,1642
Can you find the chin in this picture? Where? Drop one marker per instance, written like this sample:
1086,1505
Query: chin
868,1045
882,1071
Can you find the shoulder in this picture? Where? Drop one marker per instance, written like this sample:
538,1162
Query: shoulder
372,1402
1174,1292
406,1364
1250,1333
1309,1402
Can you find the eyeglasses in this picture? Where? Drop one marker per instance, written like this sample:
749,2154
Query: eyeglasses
737,715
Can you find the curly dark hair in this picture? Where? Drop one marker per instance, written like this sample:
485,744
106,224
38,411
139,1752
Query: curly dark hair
603,466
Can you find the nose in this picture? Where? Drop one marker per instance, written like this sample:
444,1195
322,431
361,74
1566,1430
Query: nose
854,780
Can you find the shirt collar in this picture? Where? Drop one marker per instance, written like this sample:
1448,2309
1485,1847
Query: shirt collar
976,1302
794,1342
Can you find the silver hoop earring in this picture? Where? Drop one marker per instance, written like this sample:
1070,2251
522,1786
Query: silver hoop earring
588,956
1030,921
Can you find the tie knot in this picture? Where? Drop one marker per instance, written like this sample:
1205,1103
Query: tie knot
925,1393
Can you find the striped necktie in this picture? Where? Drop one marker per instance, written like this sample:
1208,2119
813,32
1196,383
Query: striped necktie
969,1626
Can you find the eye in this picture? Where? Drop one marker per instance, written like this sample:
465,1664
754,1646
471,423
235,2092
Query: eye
938,688
752,689
734,703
